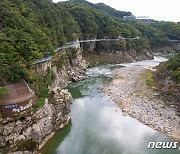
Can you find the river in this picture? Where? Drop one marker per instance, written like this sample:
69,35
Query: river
98,126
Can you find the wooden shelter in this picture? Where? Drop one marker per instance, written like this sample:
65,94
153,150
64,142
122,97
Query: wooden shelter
19,99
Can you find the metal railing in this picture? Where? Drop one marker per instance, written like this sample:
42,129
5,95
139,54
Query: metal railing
76,44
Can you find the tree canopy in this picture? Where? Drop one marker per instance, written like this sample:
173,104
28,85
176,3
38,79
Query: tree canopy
32,29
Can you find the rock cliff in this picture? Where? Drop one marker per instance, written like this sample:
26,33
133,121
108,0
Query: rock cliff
38,124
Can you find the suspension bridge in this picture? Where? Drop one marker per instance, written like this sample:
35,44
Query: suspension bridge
76,44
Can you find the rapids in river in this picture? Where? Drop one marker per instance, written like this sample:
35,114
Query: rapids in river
98,125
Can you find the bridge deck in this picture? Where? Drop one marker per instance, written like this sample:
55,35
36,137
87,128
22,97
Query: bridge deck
77,44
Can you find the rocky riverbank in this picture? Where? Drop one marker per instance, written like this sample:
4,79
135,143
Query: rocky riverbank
129,90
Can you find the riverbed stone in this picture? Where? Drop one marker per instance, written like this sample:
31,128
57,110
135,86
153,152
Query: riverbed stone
136,99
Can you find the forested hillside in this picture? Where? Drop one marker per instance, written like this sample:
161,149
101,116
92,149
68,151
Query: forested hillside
32,29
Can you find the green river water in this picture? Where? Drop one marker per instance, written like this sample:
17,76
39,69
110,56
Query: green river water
98,125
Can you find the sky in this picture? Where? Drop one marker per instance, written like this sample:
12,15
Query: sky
166,10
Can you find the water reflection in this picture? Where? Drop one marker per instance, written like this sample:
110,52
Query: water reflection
99,126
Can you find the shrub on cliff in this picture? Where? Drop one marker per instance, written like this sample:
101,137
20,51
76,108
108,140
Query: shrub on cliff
150,80
3,92
28,145
174,66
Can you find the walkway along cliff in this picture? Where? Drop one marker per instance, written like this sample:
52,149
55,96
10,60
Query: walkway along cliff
54,113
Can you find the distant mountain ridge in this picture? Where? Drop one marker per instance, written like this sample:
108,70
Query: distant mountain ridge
104,8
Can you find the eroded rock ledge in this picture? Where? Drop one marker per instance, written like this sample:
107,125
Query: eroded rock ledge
52,116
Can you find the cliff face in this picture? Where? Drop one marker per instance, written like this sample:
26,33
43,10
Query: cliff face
55,114
119,52
35,126
72,69
174,48
170,93
67,65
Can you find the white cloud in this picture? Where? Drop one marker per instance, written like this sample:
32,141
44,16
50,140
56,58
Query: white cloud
167,10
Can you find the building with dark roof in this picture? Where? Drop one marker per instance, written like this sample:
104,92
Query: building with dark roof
19,100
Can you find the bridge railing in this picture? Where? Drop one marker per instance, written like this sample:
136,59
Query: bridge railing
76,44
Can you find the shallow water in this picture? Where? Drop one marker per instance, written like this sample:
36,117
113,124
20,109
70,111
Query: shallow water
147,63
99,126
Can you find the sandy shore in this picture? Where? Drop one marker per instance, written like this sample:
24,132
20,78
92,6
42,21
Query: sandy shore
129,90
